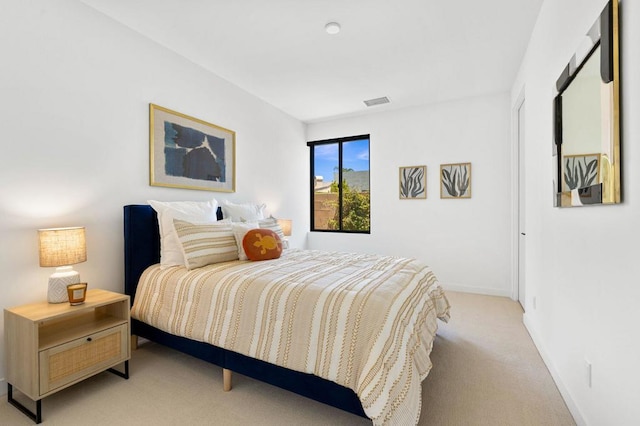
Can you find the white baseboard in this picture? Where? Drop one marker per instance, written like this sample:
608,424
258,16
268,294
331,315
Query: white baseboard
476,290
566,395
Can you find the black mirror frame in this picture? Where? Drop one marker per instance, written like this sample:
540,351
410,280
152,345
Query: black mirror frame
603,34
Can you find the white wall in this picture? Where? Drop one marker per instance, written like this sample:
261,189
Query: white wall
465,241
74,93
582,263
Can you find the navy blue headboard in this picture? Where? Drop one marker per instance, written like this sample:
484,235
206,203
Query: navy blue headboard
141,243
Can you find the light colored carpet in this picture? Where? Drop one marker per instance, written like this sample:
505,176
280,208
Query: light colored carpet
486,371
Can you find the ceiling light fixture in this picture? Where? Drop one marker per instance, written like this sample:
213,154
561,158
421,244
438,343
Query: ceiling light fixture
332,28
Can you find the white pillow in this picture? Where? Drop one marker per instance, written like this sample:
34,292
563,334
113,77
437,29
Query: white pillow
191,211
247,212
205,244
272,224
240,229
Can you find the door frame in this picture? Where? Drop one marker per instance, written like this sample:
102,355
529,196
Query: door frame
515,197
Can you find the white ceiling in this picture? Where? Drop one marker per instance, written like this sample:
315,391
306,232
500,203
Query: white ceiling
412,51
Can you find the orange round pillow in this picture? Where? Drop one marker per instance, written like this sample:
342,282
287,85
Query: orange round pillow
262,244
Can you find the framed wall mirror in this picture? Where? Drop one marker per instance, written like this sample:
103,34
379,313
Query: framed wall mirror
586,149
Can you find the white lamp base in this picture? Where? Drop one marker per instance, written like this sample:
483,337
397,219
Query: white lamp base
58,283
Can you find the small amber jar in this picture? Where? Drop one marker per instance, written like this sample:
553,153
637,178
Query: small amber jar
77,292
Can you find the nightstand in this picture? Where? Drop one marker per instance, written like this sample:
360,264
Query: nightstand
49,347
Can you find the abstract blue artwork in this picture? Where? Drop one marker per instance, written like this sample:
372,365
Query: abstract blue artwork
190,153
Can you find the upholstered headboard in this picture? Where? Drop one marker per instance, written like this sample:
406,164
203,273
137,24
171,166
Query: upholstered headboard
141,243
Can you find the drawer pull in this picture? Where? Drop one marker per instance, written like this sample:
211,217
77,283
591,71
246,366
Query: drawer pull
88,339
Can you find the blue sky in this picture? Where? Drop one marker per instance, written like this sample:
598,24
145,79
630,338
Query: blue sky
355,156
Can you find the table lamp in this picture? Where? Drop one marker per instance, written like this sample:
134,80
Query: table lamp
61,248
285,225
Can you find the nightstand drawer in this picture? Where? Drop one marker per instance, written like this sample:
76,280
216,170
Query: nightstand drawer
73,361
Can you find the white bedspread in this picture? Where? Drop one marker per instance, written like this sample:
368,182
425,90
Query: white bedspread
366,322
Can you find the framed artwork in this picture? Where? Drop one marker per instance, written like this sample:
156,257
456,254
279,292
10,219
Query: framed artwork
413,182
185,152
455,180
580,171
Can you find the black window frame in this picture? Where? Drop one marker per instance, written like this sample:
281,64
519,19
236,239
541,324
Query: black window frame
339,141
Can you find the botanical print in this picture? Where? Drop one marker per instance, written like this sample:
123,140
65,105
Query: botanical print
580,171
190,153
455,180
413,182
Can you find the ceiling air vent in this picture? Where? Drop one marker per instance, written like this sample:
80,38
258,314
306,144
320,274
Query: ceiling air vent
377,101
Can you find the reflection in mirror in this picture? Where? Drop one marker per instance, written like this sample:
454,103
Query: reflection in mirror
587,125
583,116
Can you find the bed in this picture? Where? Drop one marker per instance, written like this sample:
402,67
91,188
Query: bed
345,379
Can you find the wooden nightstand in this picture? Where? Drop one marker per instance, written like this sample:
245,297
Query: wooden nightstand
49,347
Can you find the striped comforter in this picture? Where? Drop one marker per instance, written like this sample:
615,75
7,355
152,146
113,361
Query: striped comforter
364,321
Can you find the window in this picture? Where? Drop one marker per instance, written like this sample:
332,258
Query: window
340,184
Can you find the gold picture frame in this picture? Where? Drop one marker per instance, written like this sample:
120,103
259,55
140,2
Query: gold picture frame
455,180
413,183
189,153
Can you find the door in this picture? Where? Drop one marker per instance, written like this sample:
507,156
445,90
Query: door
521,203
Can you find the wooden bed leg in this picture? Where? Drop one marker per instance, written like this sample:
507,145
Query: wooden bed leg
226,380
134,342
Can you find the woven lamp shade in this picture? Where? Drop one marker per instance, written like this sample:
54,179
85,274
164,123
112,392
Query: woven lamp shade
62,246
285,224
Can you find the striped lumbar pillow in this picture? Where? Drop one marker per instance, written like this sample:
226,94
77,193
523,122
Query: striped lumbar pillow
272,224
204,244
